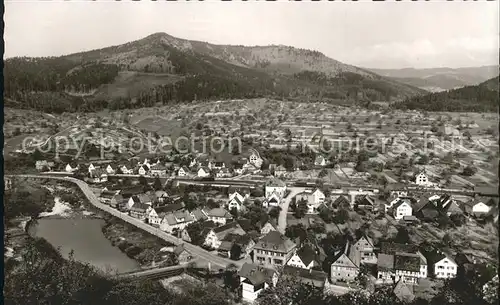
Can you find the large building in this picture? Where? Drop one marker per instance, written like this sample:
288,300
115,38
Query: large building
254,279
274,249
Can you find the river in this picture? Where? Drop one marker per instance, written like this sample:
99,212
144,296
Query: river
85,238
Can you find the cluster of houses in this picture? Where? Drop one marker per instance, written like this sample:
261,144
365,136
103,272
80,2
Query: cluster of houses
400,265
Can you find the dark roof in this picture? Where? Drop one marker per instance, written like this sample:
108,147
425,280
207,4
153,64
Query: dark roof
307,254
245,224
274,240
385,262
139,207
435,256
256,275
341,200
179,249
314,277
168,208
229,226
392,248
407,262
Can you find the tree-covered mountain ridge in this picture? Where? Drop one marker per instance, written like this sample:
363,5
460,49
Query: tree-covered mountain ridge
162,69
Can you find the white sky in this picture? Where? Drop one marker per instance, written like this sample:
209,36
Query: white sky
376,35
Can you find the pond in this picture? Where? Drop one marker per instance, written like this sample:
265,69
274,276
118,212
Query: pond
85,238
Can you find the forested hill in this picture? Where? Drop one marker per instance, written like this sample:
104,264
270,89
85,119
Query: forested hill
480,98
162,69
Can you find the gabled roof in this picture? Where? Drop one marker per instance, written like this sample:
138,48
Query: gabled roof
139,207
436,256
274,240
367,238
341,200
385,262
179,249
168,208
218,212
227,227
307,254
314,277
198,214
407,262
400,202
343,258
256,275
274,182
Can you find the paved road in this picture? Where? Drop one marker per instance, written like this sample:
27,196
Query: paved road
198,252
284,207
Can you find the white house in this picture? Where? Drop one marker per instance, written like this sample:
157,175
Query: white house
422,179
203,172
176,220
216,235
141,198
110,170
159,170
480,206
126,171
266,228
182,172
401,209
275,186
239,196
223,173
313,199
235,203
254,279
443,266
70,169
305,258
91,168
144,170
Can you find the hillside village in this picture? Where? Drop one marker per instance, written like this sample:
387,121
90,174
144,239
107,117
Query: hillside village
333,220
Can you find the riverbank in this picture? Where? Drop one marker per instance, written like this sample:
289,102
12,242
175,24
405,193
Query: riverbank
137,244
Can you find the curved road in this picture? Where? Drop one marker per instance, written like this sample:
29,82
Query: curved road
195,250
284,207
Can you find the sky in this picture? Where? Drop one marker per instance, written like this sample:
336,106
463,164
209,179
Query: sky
388,35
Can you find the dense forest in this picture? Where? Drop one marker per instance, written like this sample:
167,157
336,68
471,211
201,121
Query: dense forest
480,98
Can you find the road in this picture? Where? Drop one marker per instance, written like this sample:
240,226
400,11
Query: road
284,207
92,198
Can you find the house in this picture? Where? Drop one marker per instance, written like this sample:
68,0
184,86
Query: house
238,168
341,202
183,172
138,210
161,196
276,186
400,261
273,249
70,169
183,255
344,267
223,173
320,160
422,179
397,189
235,203
214,236
393,199
117,201
481,206
144,170
126,170
313,198
91,168
306,258
272,201
98,175
365,247
241,194
158,170
203,172
254,158
267,227
44,165
141,198
218,165
442,265
311,277
177,220
206,227
404,292
218,215
401,209
110,170
365,202
245,243
254,279
279,170
156,214
425,209
199,215
106,196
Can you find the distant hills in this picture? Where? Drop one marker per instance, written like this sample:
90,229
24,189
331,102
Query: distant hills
162,69
479,98
440,79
